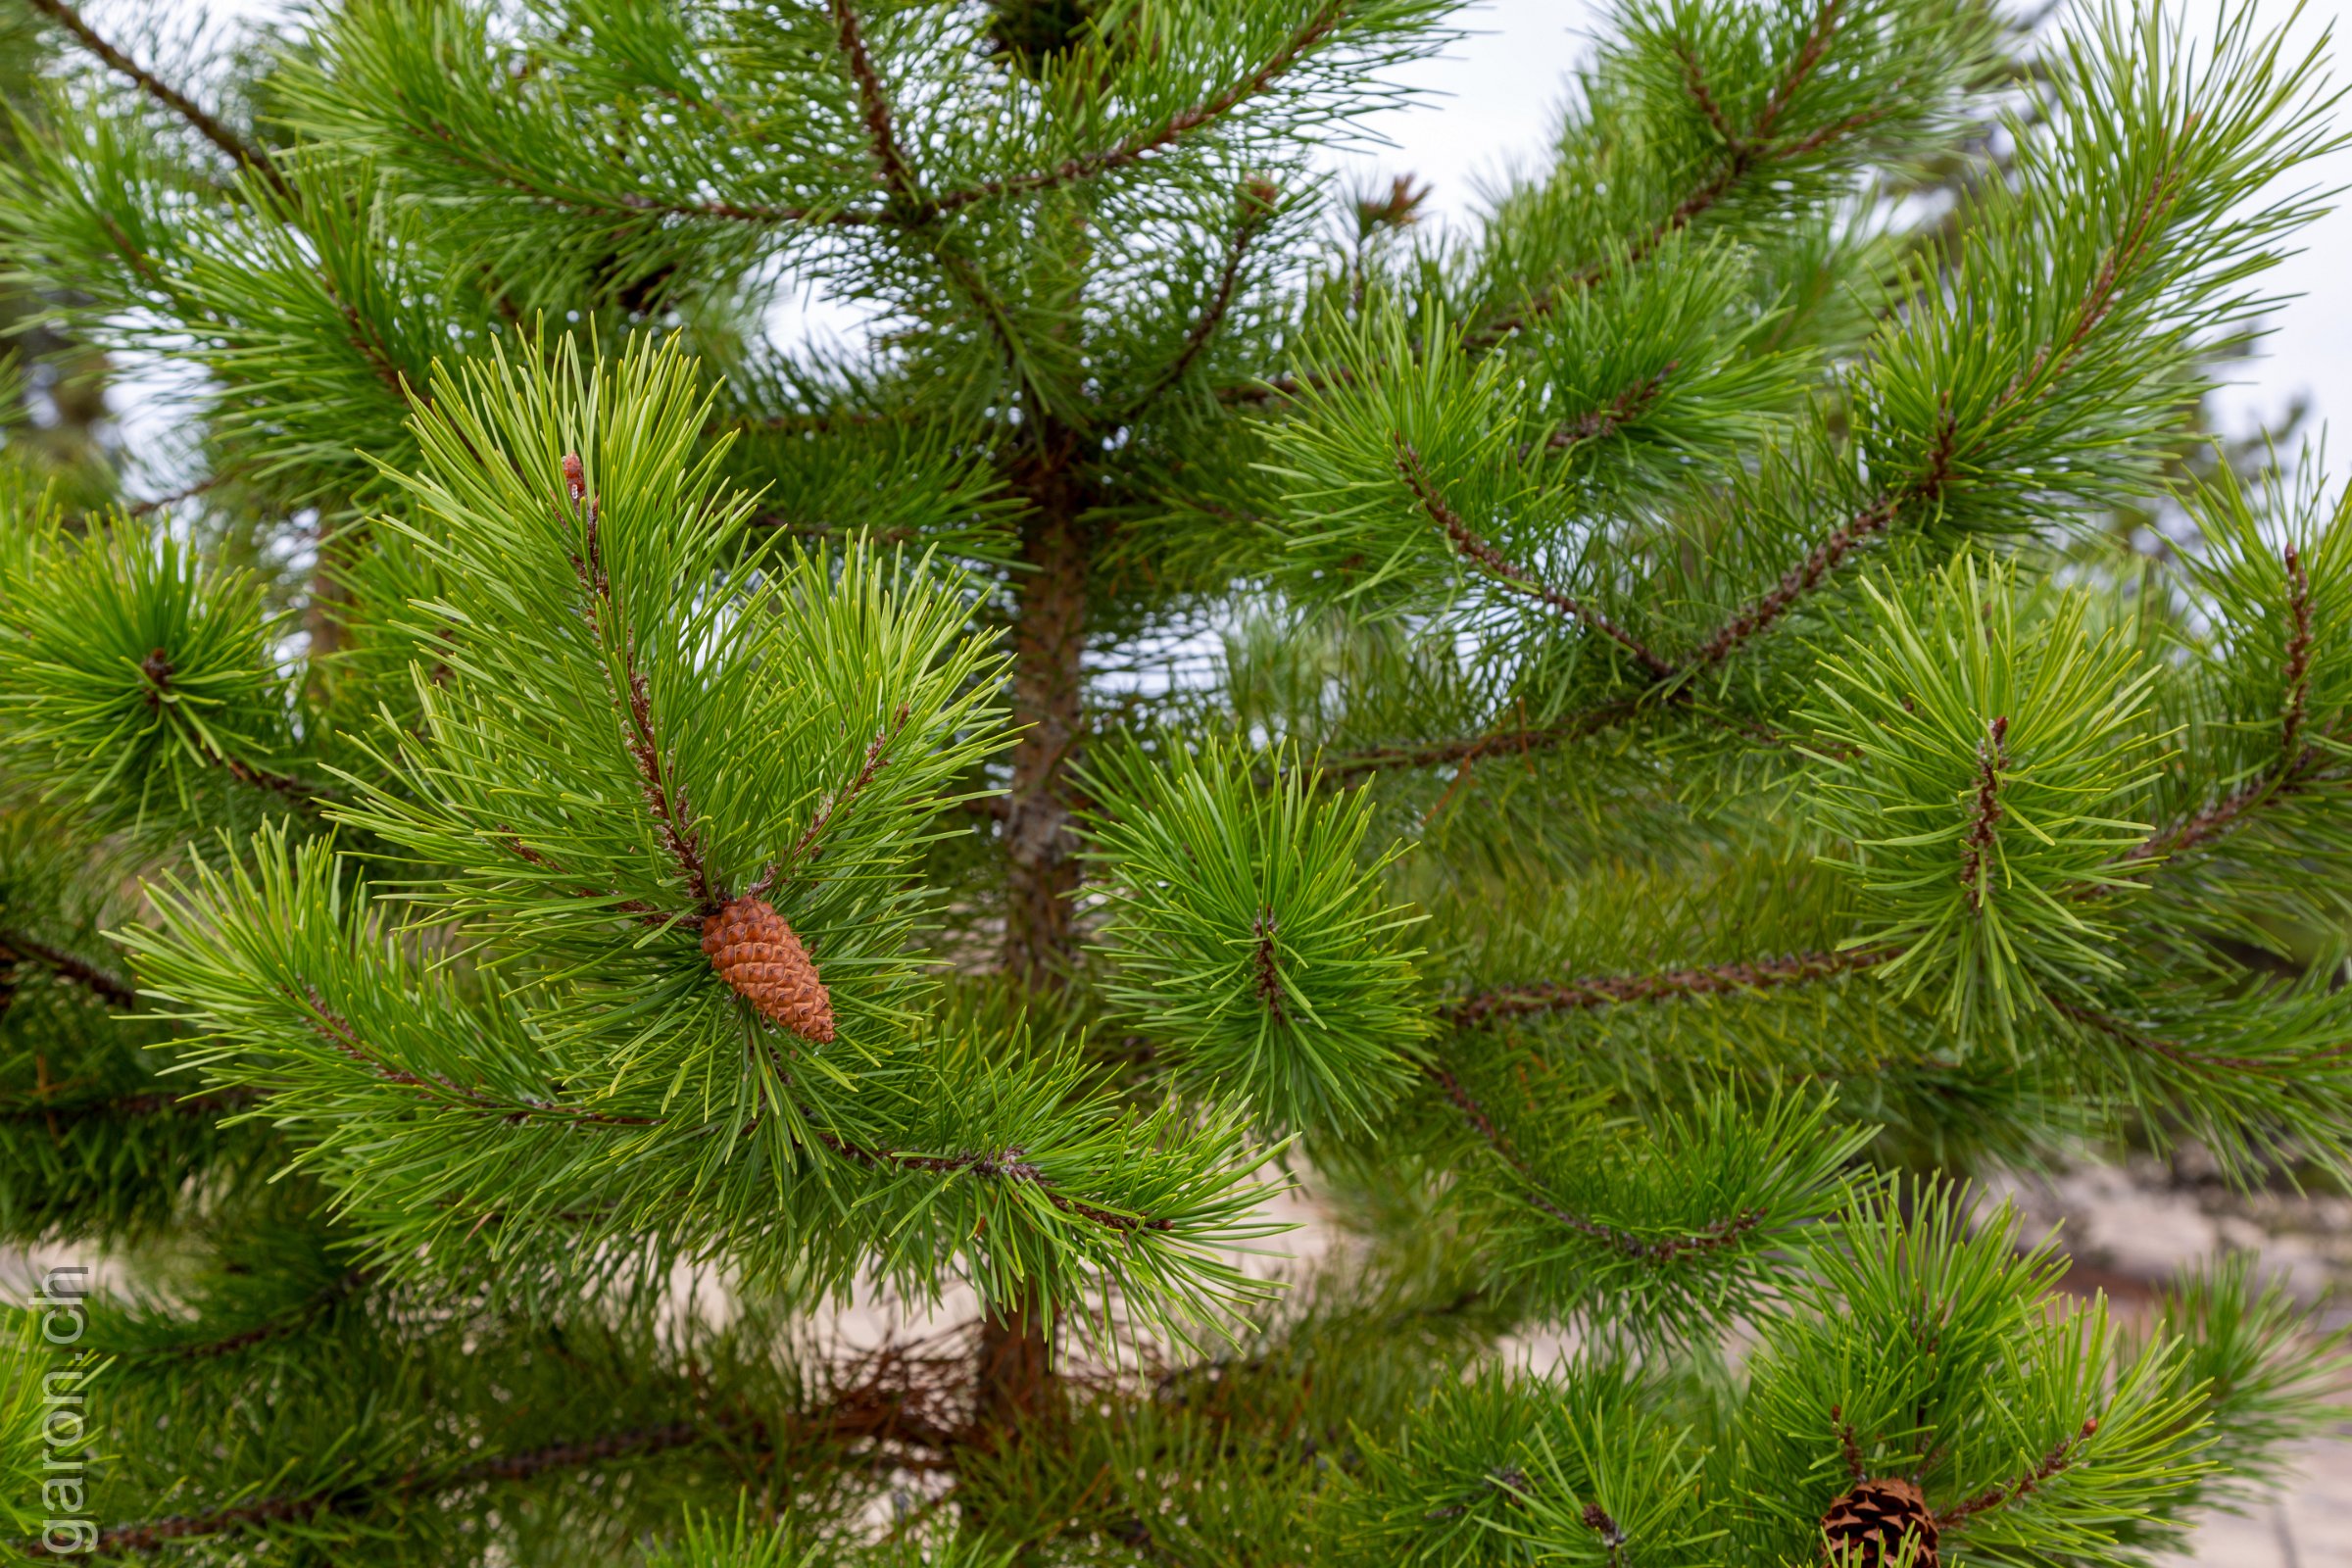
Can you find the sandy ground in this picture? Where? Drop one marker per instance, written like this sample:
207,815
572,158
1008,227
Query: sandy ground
2127,1229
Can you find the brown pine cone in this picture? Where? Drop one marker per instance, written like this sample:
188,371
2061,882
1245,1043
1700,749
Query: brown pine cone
1868,1527
757,953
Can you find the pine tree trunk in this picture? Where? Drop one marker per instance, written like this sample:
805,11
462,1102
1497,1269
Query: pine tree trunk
1015,1365
1048,640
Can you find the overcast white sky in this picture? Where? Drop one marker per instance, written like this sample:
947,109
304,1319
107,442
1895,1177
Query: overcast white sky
1488,100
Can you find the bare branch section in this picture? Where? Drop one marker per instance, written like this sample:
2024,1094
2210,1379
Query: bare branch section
1010,1165
1319,27
1711,1237
1925,489
897,1406
1667,985
155,1535
1984,822
1939,469
1475,549
205,123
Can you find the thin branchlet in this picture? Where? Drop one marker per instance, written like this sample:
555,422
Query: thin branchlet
1318,28
1743,156
2060,1456
2298,766
810,844
1268,981
1666,985
1714,1236
16,946
202,120
1258,212
1473,548
873,107
632,697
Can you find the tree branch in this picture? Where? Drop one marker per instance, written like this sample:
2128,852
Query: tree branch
336,1031
1255,218
107,986
2052,1462
2299,764
1475,549
1977,846
1011,1164
204,123
877,757
1745,155
664,798
156,1534
1666,985
1825,558
1711,1237
874,106
1319,27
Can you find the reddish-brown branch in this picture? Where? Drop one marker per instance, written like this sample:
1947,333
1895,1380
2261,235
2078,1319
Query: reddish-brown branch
2298,765
109,988
1695,82
1744,155
664,798
1471,547
1597,425
1826,557
1713,1236
873,105
644,913
1847,1447
1800,69
2298,661
2177,1055
1011,1165
1176,127
1461,752
205,123
745,211
1666,985
2052,1462
1253,223
1984,822
156,1534
877,757
336,1030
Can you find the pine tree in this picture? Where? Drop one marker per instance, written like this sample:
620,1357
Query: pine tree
1624,750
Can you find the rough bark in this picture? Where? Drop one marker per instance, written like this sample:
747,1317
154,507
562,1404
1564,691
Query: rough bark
1013,1373
1048,641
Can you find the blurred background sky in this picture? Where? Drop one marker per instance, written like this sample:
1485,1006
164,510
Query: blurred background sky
1484,107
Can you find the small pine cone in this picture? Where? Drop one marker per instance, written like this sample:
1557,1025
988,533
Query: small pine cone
1869,1526
757,953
